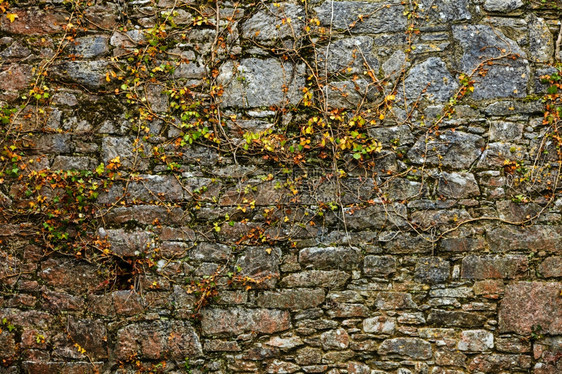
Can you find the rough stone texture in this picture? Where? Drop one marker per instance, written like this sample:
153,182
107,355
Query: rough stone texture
237,321
270,24
502,6
344,15
410,347
454,149
431,80
479,43
199,255
528,305
254,82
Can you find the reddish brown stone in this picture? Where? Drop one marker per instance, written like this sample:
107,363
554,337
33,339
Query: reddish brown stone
7,344
15,77
493,267
528,305
490,288
551,267
33,22
158,340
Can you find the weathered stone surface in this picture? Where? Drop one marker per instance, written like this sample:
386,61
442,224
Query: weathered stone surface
349,55
451,318
156,340
453,149
503,78
345,15
330,257
432,270
291,299
90,46
410,347
88,73
504,239
253,82
476,341
502,6
394,300
92,335
332,279
541,43
379,265
376,216
430,80
236,321
551,267
273,23
15,77
458,185
379,325
443,11
491,267
33,22
527,305
128,243
335,339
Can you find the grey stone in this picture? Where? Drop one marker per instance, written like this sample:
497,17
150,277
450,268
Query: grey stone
330,257
235,321
348,93
442,12
431,80
293,299
254,83
156,97
345,15
505,77
411,347
379,265
502,6
349,55
156,188
541,41
395,63
376,216
316,278
454,149
88,73
432,270
126,150
74,162
457,185
90,46
500,130
273,23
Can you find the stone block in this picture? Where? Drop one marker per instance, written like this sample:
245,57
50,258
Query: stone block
236,321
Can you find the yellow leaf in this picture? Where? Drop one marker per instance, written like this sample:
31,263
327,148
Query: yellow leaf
268,250
12,16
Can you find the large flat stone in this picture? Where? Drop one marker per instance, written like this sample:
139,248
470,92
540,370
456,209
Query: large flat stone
239,320
527,306
255,82
345,15
504,77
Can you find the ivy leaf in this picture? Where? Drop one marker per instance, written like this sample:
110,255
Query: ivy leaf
12,16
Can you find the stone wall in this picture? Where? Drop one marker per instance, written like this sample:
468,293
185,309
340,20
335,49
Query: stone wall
296,187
